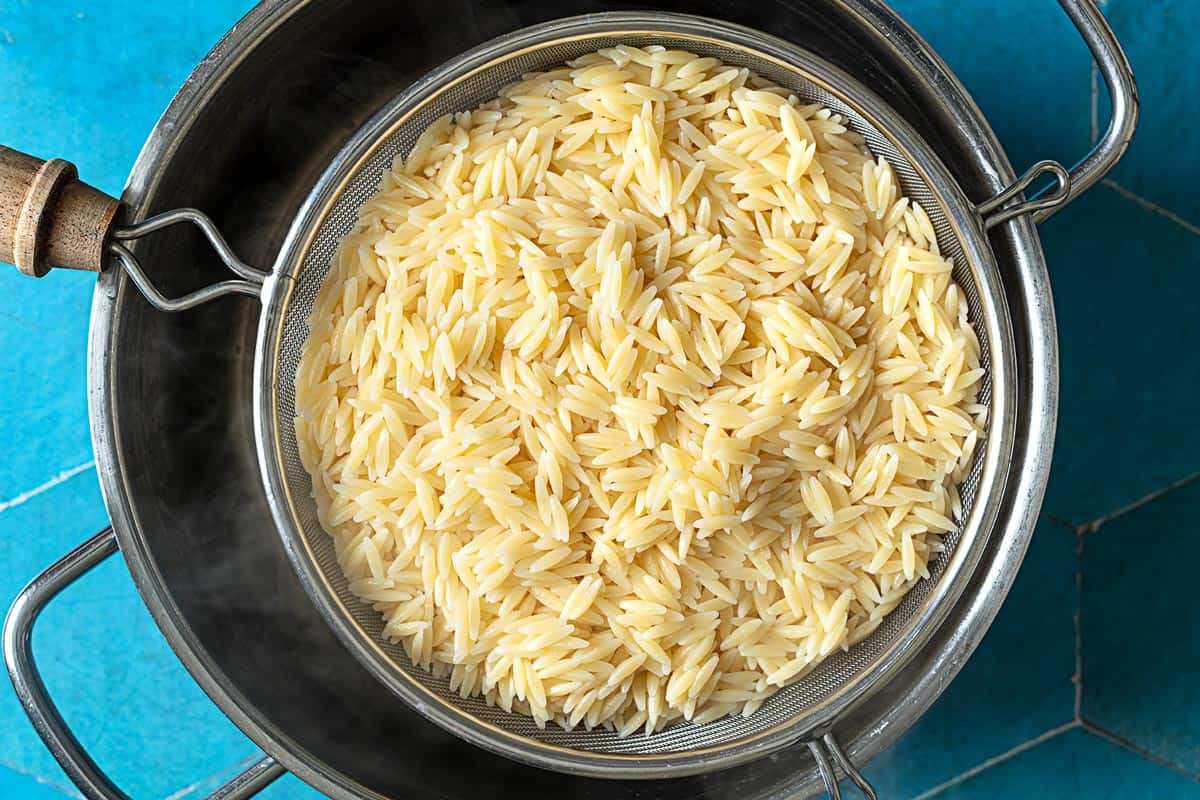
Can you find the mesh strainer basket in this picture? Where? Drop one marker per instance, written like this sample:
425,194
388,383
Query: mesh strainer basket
795,711
805,711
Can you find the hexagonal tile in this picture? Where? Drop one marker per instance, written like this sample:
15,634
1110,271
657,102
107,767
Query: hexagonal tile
1140,646
1074,763
1163,163
1127,295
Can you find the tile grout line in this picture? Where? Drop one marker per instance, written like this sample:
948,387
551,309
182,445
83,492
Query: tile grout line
1156,209
994,760
1077,619
1077,679
1125,744
71,791
1094,525
1062,522
224,774
61,477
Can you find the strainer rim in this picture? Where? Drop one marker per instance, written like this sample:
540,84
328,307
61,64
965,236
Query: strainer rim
949,585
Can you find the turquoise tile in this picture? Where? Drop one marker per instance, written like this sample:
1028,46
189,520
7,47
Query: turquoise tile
1141,650
1127,295
1075,764
18,786
43,385
1024,64
1016,686
105,662
114,65
1163,164
86,82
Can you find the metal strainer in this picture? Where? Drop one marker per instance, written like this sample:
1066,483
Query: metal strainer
808,704
804,711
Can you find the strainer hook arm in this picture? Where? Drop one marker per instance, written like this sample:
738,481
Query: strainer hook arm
44,714
1114,67
251,279
830,757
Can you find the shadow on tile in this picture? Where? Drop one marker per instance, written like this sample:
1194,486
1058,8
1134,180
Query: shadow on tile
1016,686
43,377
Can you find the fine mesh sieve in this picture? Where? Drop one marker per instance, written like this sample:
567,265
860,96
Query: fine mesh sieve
800,710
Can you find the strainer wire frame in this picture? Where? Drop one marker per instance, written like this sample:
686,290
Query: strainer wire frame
688,749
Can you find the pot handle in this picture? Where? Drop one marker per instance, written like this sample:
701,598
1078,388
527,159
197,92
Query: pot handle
830,757
50,218
44,714
1122,91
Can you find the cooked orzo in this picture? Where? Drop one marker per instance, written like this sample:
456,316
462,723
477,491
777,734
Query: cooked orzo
636,392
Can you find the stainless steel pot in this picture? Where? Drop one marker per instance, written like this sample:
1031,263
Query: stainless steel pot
170,399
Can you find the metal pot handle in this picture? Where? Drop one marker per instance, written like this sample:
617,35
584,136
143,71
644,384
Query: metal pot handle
44,714
1122,91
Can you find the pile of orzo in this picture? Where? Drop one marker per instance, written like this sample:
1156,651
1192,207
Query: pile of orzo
636,392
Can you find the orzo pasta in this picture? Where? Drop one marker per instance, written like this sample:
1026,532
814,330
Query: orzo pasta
637,392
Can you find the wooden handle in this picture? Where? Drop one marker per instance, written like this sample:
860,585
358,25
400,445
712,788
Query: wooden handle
48,217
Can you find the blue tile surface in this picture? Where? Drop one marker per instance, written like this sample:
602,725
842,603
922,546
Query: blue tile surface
1129,376
43,350
86,79
1163,164
1024,64
1075,764
1140,628
968,725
